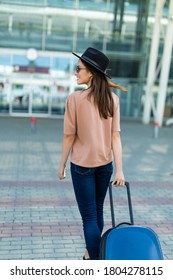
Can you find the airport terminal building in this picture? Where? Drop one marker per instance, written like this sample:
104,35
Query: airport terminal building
38,37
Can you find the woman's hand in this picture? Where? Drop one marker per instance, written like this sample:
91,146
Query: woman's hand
119,179
67,144
61,172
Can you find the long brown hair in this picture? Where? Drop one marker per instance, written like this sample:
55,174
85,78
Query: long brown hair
101,93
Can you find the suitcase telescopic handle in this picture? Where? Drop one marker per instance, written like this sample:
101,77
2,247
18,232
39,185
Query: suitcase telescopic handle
127,185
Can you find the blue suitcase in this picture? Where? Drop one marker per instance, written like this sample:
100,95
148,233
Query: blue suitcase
127,241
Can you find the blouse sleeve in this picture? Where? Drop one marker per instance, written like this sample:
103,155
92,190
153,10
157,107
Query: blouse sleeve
116,117
70,116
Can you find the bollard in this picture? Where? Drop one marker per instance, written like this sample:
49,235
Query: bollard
33,124
156,129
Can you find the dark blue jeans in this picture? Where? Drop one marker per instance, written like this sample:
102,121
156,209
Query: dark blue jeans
90,187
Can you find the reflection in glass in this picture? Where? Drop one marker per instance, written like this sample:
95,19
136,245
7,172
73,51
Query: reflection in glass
4,98
58,99
20,99
40,99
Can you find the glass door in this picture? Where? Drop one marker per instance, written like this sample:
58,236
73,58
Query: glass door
20,98
39,99
59,93
4,96
30,95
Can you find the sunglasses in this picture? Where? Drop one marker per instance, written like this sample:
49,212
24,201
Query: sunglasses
78,68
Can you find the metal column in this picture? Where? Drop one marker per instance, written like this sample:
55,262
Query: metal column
164,76
152,62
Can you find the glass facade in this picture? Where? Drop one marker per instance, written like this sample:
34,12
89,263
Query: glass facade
53,29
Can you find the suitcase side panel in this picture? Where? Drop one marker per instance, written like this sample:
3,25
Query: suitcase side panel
103,245
131,243
103,242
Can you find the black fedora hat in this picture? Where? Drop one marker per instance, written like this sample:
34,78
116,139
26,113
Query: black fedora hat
96,59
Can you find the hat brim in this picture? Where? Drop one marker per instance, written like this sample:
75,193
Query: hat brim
92,64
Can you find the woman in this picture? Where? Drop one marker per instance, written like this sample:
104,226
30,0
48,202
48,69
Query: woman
91,134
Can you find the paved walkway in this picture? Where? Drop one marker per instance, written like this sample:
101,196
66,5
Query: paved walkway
38,214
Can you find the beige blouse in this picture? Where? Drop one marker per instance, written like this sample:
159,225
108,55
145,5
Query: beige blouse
92,145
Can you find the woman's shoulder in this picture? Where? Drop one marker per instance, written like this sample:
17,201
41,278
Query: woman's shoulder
115,97
76,94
